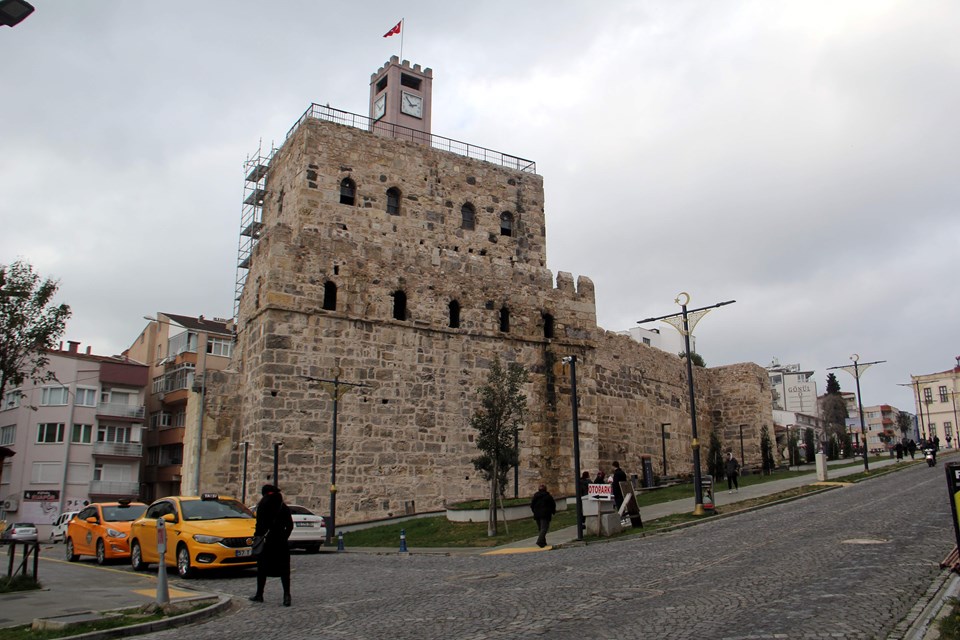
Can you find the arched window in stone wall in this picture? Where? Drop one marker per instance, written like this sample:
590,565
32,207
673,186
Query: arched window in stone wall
506,223
454,314
393,201
547,325
468,217
348,192
399,305
504,319
330,296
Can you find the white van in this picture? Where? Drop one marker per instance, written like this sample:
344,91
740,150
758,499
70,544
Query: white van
60,526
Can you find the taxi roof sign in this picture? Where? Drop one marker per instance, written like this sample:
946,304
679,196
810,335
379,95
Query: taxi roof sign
209,496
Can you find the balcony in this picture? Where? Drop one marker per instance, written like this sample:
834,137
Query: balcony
121,489
114,410
118,449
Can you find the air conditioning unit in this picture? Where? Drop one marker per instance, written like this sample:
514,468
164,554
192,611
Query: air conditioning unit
11,505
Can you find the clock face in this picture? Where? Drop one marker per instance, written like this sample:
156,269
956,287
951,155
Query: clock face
379,107
411,104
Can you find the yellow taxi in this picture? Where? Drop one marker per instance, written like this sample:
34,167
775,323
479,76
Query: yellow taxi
202,532
102,530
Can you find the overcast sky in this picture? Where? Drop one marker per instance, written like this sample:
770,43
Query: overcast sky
800,157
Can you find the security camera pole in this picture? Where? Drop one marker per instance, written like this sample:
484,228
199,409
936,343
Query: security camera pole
684,322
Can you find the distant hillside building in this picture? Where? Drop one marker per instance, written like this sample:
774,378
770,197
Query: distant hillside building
384,267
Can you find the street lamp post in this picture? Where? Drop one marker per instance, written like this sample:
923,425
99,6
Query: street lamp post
857,365
684,322
916,385
572,361
276,463
742,461
243,481
516,467
336,388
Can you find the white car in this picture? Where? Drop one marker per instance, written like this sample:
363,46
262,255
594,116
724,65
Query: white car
21,532
309,529
59,530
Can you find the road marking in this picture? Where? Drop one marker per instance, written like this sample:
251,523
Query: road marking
512,550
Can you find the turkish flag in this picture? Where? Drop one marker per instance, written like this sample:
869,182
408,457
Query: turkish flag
393,31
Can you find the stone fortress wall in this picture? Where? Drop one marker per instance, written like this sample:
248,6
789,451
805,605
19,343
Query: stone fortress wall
404,442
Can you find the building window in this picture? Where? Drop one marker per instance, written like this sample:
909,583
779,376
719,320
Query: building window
933,430
219,346
547,326
393,201
646,341
46,473
348,192
504,319
943,393
454,314
399,305
11,399
468,217
506,223
54,397
185,341
86,397
928,395
82,433
948,430
329,296
8,434
49,432
113,434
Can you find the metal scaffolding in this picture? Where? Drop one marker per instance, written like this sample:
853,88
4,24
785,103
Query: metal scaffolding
251,217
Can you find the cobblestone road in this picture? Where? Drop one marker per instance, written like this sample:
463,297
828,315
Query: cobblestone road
848,563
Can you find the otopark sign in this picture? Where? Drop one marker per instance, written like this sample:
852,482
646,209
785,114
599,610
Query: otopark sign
953,486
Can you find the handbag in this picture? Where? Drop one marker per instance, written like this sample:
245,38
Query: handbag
258,545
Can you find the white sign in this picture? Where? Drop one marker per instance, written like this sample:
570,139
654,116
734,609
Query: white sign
600,490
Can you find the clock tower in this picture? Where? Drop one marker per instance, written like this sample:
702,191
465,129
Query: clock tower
401,95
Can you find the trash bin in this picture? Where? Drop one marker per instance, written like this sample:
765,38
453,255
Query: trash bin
706,492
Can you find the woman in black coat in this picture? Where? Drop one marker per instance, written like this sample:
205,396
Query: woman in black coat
275,522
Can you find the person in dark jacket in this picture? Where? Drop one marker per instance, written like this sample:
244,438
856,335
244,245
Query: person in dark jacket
543,507
732,470
275,522
619,475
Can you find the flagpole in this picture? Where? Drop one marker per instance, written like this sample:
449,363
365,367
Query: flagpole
401,40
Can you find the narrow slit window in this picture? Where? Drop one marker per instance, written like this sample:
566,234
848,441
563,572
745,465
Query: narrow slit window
454,314
468,217
399,305
348,192
393,201
504,319
506,223
329,296
547,326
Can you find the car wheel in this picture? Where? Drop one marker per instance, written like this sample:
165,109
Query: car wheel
70,555
183,562
136,557
101,553
313,548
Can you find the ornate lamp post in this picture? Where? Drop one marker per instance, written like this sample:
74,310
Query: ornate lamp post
854,370
684,322
572,361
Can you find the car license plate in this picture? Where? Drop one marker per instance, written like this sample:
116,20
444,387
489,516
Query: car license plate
303,524
241,553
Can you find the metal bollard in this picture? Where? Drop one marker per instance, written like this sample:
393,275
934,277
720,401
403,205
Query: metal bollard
403,541
163,593
340,541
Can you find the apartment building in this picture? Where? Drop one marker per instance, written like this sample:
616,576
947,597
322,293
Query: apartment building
177,350
76,437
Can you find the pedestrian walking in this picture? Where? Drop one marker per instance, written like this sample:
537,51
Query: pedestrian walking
619,475
899,450
275,523
912,448
543,507
732,469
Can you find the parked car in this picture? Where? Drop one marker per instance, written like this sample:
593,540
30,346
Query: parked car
309,529
203,532
21,532
102,530
59,531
